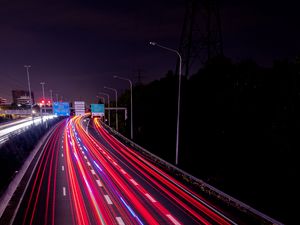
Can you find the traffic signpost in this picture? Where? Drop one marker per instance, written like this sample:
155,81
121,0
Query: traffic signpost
61,108
79,108
97,110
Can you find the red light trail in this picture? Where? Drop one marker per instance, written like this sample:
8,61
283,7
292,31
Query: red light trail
91,178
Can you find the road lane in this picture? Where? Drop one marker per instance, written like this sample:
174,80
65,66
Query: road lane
88,177
41,197
140,182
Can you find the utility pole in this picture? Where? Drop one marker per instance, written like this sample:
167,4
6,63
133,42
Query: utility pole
108,105
29,89
51,97
201,37
139,76
43,91
131,104
116,92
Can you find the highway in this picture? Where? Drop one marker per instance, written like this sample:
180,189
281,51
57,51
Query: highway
86,176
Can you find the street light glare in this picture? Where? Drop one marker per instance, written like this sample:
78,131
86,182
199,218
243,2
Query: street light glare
115,76
152,43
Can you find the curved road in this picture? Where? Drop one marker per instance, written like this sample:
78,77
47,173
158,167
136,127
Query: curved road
88,177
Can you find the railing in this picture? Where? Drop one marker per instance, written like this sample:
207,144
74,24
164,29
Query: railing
13,129
207,188
16,112
6,137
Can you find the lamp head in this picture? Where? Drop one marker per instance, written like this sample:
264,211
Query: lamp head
152,43
115,76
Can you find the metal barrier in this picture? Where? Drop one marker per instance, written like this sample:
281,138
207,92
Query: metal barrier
6,137
16,112
205,187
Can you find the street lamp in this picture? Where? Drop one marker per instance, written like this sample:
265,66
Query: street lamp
115,90
51,96
108,105
179,87
131,105
43,90
29,89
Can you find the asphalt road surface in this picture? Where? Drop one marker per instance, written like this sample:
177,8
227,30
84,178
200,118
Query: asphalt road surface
86,176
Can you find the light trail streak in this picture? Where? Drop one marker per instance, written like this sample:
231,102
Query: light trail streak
48,158
159,177
113,176
106,183
159,208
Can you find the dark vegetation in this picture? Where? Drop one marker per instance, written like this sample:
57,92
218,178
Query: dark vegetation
14,152
240,129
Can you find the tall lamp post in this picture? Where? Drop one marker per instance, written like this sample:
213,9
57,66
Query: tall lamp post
108,105
43,91
29,89
131,104
179,89
116,92
51,96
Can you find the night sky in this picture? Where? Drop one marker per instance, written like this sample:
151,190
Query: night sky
77,46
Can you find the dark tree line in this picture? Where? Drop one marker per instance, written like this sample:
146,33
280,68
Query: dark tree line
240,128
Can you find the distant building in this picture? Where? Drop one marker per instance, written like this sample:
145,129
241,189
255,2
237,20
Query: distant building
3,101
79,108
23,100
19,96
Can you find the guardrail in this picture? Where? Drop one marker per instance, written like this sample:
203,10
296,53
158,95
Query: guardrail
16,112
5,137
205,187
